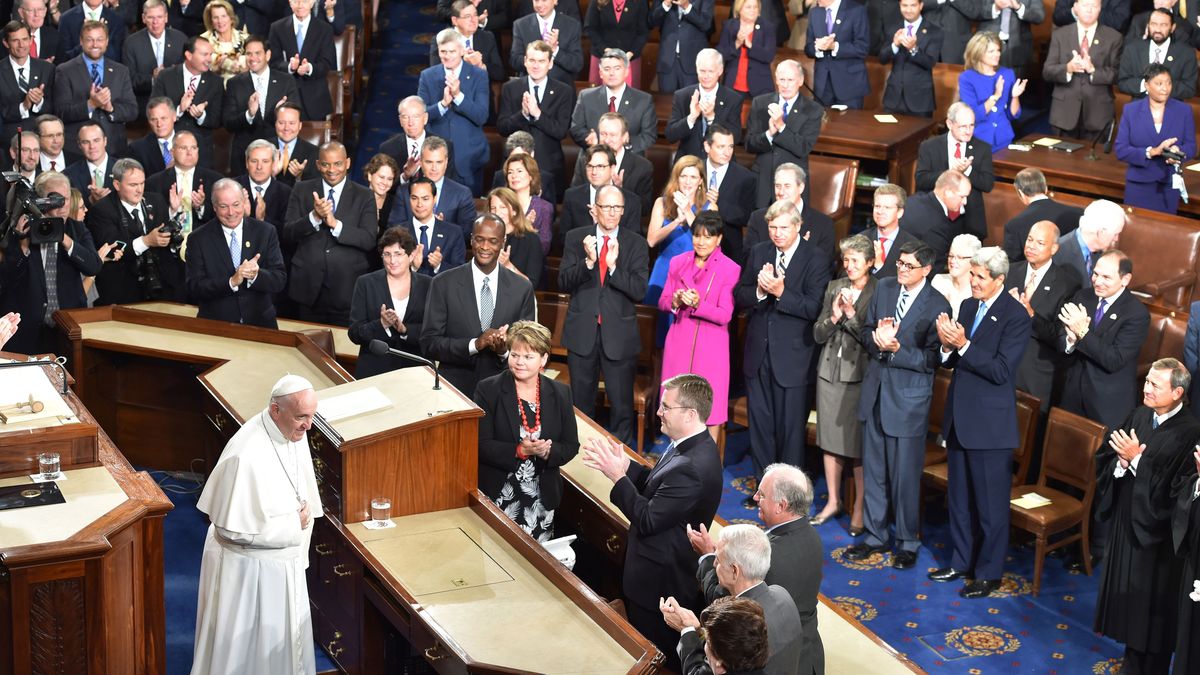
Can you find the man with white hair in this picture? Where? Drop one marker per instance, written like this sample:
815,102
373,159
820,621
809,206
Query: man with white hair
304,48
456,96
1099,229
742,560
696,107
783,127
252,614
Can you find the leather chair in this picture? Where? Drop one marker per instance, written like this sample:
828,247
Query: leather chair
832,182
1068,459
936,476
1166,256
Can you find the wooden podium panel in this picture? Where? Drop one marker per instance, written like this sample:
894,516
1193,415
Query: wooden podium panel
81,583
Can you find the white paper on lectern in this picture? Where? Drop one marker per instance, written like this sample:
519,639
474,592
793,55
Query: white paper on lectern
354,403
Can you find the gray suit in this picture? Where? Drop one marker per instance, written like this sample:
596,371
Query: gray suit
896,395
784,635
138,56
1018,49
636,106
73,85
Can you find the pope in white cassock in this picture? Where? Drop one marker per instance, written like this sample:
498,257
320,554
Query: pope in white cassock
253,614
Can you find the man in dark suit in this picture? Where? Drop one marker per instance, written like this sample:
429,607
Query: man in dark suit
1030,184
298,157
470,308
74,20
1043,288
452,202
955,18
405,147
53,154
1012,19
196,93
332,224
781,287
730,187
599,165
493,14
682,490
683,26
936,217
480,47
560,30
149,267
26,86
92,175
1185,28
901,338
1103,330
1082,65
697,107
251,99
255,16
542,107
186,186
613,95
914,49
958,149
93,86
240,287
887,236
1100,226
980,422
1162,44
746,556
783,127
153,151
630,170
150,50
26,282
440,240
457,96
268,197
1114,15
605,270
23,155
840,44
307,61
43,36
815,227
188,17
784,496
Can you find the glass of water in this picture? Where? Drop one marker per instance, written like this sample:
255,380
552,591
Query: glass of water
48,465
381,511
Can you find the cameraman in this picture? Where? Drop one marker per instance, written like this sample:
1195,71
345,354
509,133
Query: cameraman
150,269
52,277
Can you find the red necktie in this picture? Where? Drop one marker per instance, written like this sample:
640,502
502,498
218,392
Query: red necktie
603,270
957,150
33,48
612,104
52,165
953,215
1083,45
883,244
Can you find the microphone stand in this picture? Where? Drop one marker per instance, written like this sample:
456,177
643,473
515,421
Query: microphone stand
1106,131
57,363
379,348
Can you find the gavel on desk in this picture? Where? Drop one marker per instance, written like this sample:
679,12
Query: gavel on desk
20,408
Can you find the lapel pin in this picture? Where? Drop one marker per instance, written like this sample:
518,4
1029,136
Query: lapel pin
1045,288
1113,317
551,92
838,22
1170,58
247,244
992,318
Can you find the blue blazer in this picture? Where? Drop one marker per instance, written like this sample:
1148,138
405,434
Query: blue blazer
845,75
452,204
983,388
461,124
446,236
1137,133
974,89
689,30
760,56
902,382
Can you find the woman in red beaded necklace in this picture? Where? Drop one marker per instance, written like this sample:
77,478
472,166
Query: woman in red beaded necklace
527,433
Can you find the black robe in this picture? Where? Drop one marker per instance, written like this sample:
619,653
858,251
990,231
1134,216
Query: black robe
1186,531
1138,595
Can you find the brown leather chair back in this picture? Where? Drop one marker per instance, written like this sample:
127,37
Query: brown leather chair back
552,313
343,49
1165,337
1069,450
553,262
831,182
945,90
316,132
1002,204
1166,251
877,74
1028,406
937,405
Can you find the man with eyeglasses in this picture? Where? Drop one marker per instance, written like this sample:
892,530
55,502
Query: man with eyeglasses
599,163
980,422
887,236
480,46
614,95
900,334
781,288
959,150
405,147
937,217
542,107
605,270
630,170
470,308
95,86
52,139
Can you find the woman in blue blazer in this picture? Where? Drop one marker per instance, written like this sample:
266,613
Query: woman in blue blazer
389,305
1148,127
748,54
994,93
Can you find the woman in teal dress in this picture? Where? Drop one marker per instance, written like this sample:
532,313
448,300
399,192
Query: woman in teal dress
670,231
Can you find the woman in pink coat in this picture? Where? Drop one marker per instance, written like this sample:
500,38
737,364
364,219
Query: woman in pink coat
699,294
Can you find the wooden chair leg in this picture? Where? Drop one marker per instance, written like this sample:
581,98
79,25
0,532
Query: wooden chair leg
641,435
1038,561
1086,544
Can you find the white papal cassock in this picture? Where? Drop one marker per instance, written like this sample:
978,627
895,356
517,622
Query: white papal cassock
253,614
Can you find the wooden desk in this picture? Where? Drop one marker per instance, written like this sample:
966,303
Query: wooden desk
81,583
857,135
1074,172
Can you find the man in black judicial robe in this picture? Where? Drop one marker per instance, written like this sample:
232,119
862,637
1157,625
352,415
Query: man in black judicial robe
1138,595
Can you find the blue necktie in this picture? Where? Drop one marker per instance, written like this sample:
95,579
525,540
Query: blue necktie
332,204
166,154
96,77
712,180
299,40
979,313
785,109
235,253
425,238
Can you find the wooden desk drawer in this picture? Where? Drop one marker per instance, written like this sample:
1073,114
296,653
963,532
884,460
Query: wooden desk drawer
339,639
327,452
426,642
595,526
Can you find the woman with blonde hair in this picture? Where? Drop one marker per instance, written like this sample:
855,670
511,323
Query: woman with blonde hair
227,40
992,91
523,177
955,284
671,219
522,253
748,47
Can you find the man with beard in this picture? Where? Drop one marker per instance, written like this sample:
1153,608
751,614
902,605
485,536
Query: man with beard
1159,46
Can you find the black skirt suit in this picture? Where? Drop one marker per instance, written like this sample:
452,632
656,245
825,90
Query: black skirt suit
371,291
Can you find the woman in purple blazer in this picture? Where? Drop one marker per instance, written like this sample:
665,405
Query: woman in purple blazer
748,53
699,295
1150,126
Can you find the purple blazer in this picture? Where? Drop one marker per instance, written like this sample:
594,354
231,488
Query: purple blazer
541,212
758,75
698,341
1137,133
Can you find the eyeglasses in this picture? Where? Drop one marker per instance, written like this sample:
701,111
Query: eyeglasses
960,258
907,266
663,406
393,256
597,167
611,208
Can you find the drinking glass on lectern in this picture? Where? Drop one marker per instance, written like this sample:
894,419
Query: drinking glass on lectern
381,511
48,465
